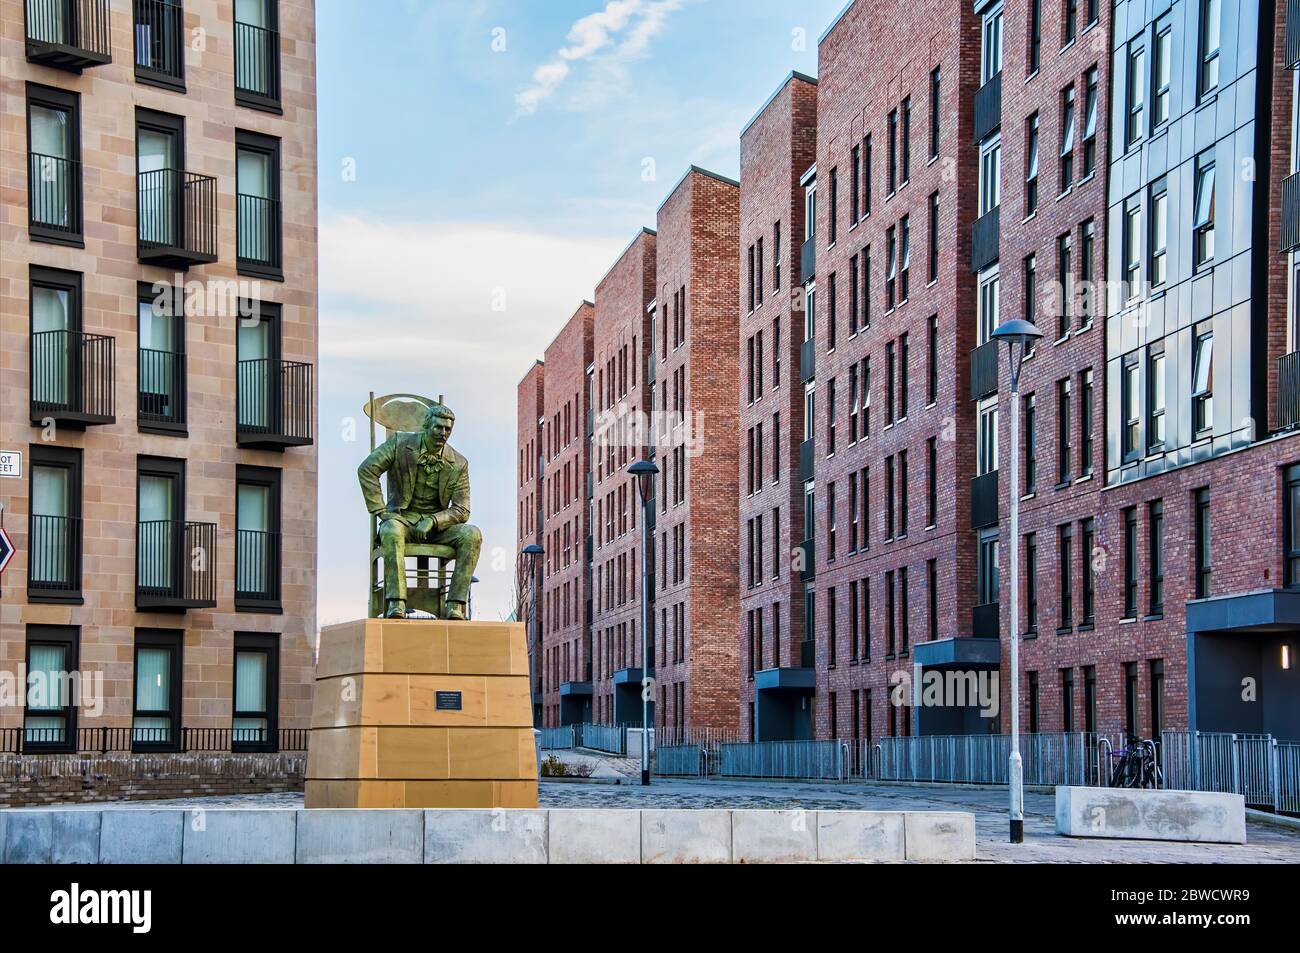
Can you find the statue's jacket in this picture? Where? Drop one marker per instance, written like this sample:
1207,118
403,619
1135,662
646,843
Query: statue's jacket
398,456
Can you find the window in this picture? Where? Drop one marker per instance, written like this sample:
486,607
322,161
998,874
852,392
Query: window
991,44
160,43
833,211
1031,584
1031,692
1063,445
832,639
1201,527
904,504
906,174
1162,80
66,366
1035,57
1203,210
257,54
1031,288
935,105
160,339
1156,557
1203,383
1067,138
987,305
903,374
1130,562
54,530
164,211
1070,29
1090,122
832,316
855,162
830,417
1065,557
53,165
1211,16
256,692
156,717
932,481
1130,400
933,274
749,272
990,182
866,176
986,567
257,539
1136,103
1087,545
1291,528
776,256
1087,257
257,187
50,714
1067,700
1130,699
892,156
986,436
866,288
1132,248
1031,165
1029,415
1089,698
1065,278
891,274
1085,422
1159,270
890,380
1157,687
932,369
905,255
1156,398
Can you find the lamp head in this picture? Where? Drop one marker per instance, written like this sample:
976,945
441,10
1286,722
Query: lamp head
1018,331
644,471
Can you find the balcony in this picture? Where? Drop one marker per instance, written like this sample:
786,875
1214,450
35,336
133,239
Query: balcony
1291,212
273,405
161,402
54,198
176,218
257,569
68,34
1288,390
159,43
72,378
1292,34
988,107
806,460
984,240
984,500
257,67
54,558
176,565
808,568
985,621
984,370
808,260
259,245
807,361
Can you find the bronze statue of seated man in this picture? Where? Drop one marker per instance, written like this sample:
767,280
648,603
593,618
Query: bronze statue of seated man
428,502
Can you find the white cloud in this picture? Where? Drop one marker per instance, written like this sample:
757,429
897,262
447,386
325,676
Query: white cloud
610,38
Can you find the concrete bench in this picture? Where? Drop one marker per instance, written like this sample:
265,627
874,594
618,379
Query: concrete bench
1140,814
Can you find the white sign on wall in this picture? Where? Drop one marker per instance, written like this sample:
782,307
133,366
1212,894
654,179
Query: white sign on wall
11,463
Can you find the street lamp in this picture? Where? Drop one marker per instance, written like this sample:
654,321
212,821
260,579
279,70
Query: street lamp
532,554
644,471
1019,335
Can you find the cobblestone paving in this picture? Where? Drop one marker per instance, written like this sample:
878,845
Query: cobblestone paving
1267,843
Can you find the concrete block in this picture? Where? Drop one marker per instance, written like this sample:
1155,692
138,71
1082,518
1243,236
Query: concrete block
594,836
141,836
773,837
940,835
685,837
1197,816
360,836
51,837
235,836
860,836
484,836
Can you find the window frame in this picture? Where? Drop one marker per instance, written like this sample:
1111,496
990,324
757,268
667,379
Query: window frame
174,641
270,478
69,101
67,637
70,459
250,98
149,76
271,148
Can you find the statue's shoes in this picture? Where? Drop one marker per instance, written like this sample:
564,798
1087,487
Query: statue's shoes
454,613
395,611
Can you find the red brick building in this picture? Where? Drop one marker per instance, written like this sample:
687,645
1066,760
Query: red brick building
777,146
529,401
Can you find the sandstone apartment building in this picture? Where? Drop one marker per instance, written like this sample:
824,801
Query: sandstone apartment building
158,326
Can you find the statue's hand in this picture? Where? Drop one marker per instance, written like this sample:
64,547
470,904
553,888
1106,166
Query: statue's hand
425,525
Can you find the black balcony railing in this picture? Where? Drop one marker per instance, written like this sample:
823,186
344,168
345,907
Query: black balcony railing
806,460
1292,34
984,500
984,240
72,378
68,34
257,567
984,370
1288,390
273,404
54,555
807,360
257,65
112,740
162,388
54,197
1291,212
176,217
160,41
175,565
988,107
808,260
985,621
258,224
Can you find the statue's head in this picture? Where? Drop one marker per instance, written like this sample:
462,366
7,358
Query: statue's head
438,424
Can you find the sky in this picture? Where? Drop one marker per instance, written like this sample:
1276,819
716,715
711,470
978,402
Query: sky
482,164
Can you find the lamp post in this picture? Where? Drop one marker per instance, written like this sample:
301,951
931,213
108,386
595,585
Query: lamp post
1019,335
644,471
532,553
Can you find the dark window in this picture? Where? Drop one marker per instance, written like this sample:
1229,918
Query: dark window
1201,527
866,175
905,256
1030,416
932,481
855,172
1211,22
1031,166
54,530
987,580
54,165
1031,584
1067,700
1035,35
1067,138
1089,699
1291,527
1090,122
160,341
1063,447
934,237
832,637
834,203
1032,700
1156,555
156,715
892,146
935,105
1130,699
1157,688
1130,402
1085,422
932,592
904,374
257,54
258,220
904,616
1203,210
776,256
1065,564
256,694
1087,540
257,542
907,140
1071,28
50,714
932,345
160,43
1203,383
1130,562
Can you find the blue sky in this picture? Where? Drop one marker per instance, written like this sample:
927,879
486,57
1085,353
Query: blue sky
482,163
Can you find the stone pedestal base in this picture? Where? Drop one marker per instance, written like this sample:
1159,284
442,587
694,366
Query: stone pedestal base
422,713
